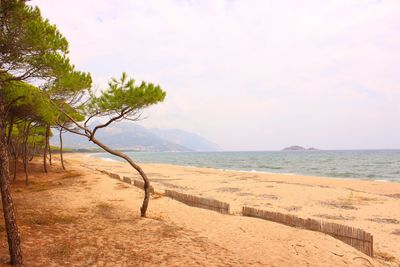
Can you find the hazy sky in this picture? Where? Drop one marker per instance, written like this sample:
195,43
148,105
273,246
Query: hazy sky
250,75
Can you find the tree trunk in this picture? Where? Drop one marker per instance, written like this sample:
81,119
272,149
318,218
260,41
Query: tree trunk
25,155
33,151
10,127
48,144
15,166
146,199
61,150
13,238
14,153
46,148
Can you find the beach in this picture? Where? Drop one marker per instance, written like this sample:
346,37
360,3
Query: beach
83,217
215,133
369,205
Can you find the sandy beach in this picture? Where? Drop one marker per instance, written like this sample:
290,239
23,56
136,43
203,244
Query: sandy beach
369,205
82,217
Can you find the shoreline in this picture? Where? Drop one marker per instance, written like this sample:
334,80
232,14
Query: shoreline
109,159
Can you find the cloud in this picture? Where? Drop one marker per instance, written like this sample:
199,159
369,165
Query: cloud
250,75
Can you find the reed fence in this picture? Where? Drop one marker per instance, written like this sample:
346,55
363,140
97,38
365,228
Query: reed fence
352,236
140,184
200,202
112,175
127,180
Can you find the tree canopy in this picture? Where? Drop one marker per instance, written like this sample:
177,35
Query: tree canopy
30,47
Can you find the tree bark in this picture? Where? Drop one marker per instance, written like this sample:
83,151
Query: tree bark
13,238
146,199
61,150
46,148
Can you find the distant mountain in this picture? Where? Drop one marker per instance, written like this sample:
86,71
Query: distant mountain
299,148
190,140
130,136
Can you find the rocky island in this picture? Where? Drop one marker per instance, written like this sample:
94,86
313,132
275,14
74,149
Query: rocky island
299,148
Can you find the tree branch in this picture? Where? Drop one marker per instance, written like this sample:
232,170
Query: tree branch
87,131
91,117
124,111
70,130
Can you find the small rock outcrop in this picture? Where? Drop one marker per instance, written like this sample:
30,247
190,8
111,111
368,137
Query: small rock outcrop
299,148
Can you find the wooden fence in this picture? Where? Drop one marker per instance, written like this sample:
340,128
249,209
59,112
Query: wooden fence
102,171
199,202
354,237
127,180
140,184
112,175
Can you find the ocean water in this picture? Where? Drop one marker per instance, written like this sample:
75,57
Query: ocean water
361,164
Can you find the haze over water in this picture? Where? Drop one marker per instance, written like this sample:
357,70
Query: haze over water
362,164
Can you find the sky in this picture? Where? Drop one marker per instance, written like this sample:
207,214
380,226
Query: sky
247,74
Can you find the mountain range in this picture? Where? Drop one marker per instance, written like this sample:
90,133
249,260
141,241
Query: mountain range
130,136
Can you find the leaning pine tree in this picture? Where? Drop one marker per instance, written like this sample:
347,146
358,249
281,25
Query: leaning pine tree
122,100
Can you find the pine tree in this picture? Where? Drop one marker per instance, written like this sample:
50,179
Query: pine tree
122,100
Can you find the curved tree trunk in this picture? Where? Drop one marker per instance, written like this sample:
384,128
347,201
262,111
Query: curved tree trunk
61,150
146,181
13,238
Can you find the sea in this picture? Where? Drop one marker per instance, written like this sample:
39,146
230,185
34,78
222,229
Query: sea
382,165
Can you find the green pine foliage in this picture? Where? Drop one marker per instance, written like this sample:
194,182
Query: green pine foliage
29,102
124,95
30,47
